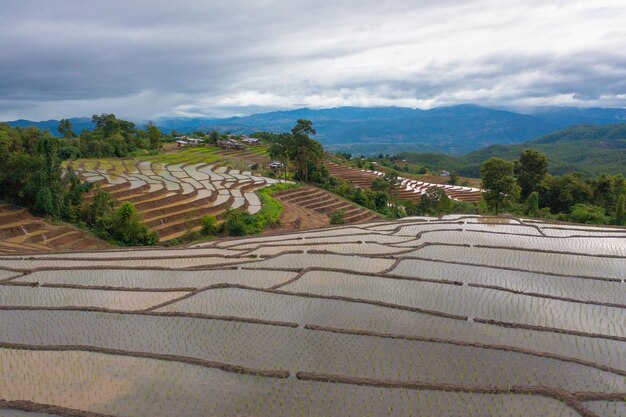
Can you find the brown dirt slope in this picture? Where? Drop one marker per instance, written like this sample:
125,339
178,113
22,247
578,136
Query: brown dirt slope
308,208
21,232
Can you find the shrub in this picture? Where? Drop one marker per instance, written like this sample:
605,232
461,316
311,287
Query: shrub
587,213
620,217
532,204
435,201
240,223
209,225
337,217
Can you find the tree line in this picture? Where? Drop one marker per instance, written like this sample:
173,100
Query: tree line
31,176
524,187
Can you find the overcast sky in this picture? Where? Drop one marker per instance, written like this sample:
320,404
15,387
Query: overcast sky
150,58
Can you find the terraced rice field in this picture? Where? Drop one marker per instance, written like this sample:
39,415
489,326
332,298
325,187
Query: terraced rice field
453,316
408,189
21,232
308,207
173,191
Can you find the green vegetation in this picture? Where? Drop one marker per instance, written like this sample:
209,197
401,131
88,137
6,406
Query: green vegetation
588,150
435,202
566,197
31,176
500,187
240,222
337,217
620,216
587,213
297,148
531,169
122,225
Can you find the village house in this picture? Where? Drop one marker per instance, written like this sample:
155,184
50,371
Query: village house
231,144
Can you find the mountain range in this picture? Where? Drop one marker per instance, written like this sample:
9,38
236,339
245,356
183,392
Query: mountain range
586,149
454,130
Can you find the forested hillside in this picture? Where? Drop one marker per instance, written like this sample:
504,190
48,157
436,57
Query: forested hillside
589,150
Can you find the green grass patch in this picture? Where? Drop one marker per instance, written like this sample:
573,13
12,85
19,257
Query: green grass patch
271,208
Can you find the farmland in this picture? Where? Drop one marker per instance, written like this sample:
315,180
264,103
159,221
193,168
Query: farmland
408,189
172,191
424,316
20,231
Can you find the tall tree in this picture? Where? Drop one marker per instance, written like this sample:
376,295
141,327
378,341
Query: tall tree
532,204
214,136
500,187
392,182
66,129
303,150
562,192
531,170
154,135
620,216
279,150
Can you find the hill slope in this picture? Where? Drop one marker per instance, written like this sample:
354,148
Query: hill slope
590,150
369,131
455,129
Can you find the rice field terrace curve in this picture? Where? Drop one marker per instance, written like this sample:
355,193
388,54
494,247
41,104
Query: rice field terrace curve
451,316
308,207
174,190
408,189
21,232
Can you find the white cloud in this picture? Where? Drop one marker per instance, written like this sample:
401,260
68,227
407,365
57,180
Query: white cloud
152,58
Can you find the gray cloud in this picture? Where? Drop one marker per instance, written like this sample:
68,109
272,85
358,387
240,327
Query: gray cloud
146,58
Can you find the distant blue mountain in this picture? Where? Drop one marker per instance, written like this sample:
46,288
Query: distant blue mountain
454,130
79,123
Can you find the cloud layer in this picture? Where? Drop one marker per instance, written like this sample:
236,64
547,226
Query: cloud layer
149,58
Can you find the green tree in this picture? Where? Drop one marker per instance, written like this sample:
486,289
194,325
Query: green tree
454,178
606,189
154,135
209,225
214,136
562,192
98,212
66,129
337,217
532,204
392,183
435,202
620,216
127,228
303,150
500,187
587,213
279,150
531,170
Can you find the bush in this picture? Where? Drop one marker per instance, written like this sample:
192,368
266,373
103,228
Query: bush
588,214
435,201
620,216
532,204
337,217
240,223
127,228
209,225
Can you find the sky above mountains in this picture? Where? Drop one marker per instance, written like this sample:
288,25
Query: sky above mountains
151,58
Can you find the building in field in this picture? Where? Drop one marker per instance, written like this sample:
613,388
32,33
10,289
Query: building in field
250,141
231,145
196,141
276,166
